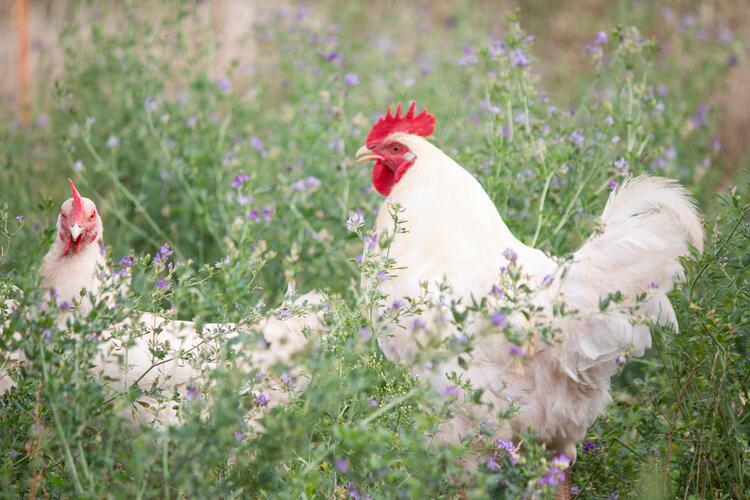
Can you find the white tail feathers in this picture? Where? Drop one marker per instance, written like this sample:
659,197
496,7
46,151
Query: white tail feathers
647,225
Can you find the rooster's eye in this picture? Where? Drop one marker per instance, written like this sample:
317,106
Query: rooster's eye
395,148
93,214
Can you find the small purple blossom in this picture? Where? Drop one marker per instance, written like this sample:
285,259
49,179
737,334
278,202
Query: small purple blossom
163,254
239,435
364,333
149,104
126,261
239,180
382,276
192,393
547,280
497,319
516,351
262,399
332,56
351,79
64,305
497,292
397,305
253,215
162,284
452,390
613,184
224,84
553,477
268,213
518,58
468,58
601,38
372,403
299,186
112,142
312,182
491,463
418,324
355,221
575,490
589,447
256,143
192,121
20,218
510,254
287,380
47,334
342,465
576,137
620,360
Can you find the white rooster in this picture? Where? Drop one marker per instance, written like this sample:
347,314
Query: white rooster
454,233
73,269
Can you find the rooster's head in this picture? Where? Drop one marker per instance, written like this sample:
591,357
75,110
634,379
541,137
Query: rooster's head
78,224
391,156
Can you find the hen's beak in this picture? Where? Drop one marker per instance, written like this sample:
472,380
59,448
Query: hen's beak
75,231
365,154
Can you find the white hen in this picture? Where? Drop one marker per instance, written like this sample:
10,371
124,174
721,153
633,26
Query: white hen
455,234
73,268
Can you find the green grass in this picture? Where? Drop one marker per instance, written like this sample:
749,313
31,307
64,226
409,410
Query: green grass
137,122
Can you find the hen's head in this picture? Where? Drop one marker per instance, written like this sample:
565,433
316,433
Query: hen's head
78,224
383,145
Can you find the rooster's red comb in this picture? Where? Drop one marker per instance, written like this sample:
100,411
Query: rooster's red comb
422,124
77,200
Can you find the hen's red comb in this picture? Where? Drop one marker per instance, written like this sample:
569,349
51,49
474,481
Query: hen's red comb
77,200
422,124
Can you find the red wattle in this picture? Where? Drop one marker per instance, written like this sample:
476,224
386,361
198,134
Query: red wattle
383,178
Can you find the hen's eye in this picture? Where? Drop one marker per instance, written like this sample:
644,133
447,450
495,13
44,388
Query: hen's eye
395,148
93,214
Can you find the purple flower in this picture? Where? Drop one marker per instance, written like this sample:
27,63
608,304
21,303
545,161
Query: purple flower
239,435
332,56
601,38
516,351
372,403
615,139
492,464
620,360
452,390
239,180
336,144
553,476
64,305
418,324
355,221
192,121
126,261
112,142
612,184
510,254
613,496
608,121
699,118
287,380
653,285
382,276
299,186
497,292
547,280
622,166
149,104
163,254
468,58
253,215
497,319
575,490
224,84
256,143
364,333
589,447
192,393
576,137
47,334
342,465
262,399
268,213
162,284
351,79
397,305
20,218
312,182
518,58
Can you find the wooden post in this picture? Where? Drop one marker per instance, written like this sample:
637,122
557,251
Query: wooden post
22,47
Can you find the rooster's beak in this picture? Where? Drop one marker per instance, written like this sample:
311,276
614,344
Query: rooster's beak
365,154
75,231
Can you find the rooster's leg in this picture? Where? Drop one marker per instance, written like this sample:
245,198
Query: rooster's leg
563,488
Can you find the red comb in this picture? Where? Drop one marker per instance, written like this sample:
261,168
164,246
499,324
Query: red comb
422,124
77,200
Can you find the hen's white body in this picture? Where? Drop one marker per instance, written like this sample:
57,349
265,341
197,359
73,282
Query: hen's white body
455,234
